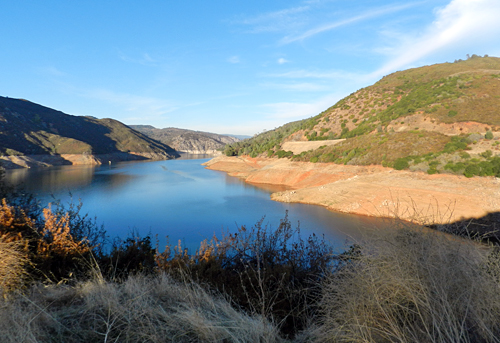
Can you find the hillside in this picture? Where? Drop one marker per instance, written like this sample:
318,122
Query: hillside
29,129
441,118
195,142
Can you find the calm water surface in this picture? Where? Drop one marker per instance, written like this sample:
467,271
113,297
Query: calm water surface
179,199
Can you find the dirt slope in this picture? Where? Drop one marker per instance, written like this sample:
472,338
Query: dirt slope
370,190
298,147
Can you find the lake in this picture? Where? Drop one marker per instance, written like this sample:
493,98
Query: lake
179,199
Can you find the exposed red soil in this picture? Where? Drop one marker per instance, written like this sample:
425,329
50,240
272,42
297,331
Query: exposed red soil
370,190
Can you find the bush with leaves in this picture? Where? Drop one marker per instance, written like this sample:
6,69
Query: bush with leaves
271,272
134,255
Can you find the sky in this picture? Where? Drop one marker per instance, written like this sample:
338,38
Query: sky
230,67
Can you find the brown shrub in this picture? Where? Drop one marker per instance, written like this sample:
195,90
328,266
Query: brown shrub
48,244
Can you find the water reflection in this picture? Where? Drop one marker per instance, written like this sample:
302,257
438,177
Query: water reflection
180,199
51,179
265,187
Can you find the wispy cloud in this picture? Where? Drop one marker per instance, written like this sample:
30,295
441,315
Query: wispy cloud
282,60
462,24
298,87
132,103
330,26
145,59
51,71
274,21
295,110
234,59
308,74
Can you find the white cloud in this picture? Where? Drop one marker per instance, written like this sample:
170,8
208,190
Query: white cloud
461,24
308,74
145,59
300,87
234,59
132,103
282,60
330,26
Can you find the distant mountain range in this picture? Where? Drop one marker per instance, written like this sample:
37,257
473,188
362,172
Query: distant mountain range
194,142
240,137
33,135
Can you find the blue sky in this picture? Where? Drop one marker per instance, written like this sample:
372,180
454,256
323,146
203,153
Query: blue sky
236,67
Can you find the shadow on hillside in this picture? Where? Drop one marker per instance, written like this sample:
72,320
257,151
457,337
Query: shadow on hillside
486,228
35,129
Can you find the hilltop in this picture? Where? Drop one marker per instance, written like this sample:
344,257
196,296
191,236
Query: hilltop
441,118
32,134
194,142
408,146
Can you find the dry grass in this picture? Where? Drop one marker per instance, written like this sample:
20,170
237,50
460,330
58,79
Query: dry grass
12,266
138,310
413,286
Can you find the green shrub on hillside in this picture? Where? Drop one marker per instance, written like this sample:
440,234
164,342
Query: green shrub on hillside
401,163
283,153
269,140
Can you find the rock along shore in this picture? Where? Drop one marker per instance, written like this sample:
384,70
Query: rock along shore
369,190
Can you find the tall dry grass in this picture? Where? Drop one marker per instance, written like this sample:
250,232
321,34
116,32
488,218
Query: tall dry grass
140,309
13,263
410,285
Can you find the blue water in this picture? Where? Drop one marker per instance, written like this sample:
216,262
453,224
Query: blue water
179,199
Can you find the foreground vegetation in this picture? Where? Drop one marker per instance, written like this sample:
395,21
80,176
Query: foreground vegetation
62,281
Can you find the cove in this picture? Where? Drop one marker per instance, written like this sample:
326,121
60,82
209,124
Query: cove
179,199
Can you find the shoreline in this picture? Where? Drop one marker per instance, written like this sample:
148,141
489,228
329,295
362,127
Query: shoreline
40,161
373,191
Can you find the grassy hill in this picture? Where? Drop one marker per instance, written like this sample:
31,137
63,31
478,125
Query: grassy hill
438,118
27,128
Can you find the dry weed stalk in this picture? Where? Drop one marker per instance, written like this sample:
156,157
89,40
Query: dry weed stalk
138,310
414,286
13,263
